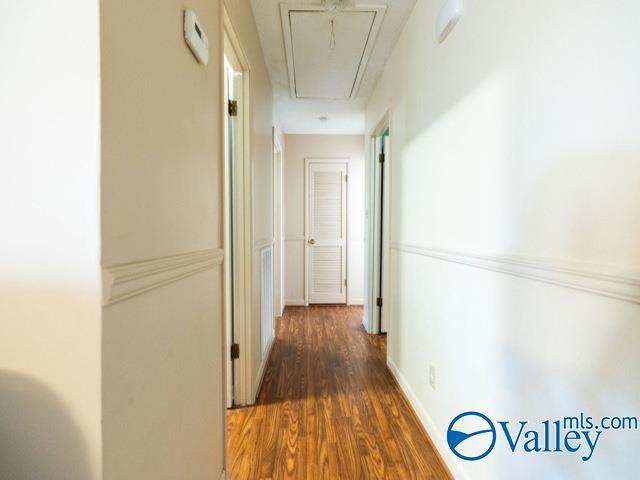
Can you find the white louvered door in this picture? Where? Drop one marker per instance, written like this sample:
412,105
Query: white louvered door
327,232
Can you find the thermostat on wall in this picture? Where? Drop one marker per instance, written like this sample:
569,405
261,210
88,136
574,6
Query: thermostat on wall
195,37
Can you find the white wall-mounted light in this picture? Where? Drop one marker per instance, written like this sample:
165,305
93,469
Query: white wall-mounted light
449,15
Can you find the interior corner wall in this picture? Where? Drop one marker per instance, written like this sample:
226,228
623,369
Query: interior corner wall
517,136
163,367
262,121
50,294
297,149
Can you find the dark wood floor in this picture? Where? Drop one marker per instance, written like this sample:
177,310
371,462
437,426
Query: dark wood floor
329,408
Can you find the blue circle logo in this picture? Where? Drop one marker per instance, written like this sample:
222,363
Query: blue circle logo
471,436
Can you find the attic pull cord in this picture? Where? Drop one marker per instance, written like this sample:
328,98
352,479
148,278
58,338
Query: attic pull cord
332,42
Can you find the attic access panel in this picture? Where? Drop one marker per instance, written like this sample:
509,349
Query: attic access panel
316,69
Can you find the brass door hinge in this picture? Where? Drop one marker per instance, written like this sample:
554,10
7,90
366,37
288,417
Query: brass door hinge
235,351
379,302
233,108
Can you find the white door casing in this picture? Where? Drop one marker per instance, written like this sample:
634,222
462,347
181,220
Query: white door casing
278,224
326,231
238,324
384,236
378,264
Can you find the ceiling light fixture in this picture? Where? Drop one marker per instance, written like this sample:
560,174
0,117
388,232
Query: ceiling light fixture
336,5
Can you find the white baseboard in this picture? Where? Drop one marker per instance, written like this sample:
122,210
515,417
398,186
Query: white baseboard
295,302
262,369
428,424
356,302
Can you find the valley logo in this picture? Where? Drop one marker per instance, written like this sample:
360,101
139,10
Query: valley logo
472,435
474,438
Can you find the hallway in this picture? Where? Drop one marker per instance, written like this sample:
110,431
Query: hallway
328,408
452,185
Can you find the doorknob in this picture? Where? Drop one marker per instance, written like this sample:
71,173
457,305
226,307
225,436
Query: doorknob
312,241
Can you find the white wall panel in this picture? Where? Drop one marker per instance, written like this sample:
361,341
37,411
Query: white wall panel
517,137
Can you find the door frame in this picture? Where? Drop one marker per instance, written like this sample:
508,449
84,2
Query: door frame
379,242
278,225
327,160
242,214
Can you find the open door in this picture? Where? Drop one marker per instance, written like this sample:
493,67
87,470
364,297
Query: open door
379,244
278,227
383,225
237,217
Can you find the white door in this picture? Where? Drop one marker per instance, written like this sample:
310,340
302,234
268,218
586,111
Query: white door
326,227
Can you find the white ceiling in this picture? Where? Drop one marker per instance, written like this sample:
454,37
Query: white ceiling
329,76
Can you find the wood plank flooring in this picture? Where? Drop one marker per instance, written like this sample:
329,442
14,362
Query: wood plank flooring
329,408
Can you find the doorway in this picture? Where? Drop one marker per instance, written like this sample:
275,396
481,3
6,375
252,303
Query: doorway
278,228
237,218
326,231
379,229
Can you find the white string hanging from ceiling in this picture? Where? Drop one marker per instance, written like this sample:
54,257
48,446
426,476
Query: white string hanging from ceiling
335,6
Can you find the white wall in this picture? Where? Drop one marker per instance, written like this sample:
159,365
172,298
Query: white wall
517,136
50,240
163,355
297,149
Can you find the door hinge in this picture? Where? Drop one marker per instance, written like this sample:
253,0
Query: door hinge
381,158
235,351
346,178
345,282
379,302
233,108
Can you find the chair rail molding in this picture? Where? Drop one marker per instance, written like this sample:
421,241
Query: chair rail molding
605,280
123,281
264,243
294,238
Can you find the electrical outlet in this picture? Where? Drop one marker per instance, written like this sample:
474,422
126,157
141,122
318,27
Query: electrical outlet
432,376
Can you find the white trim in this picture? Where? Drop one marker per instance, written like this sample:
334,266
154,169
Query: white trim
379,13
263,243
223,476
295,302
263,367
428,423
602,280
356,302
243,264
124,281
373,245
278,225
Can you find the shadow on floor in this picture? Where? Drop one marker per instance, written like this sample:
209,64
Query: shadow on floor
323,352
